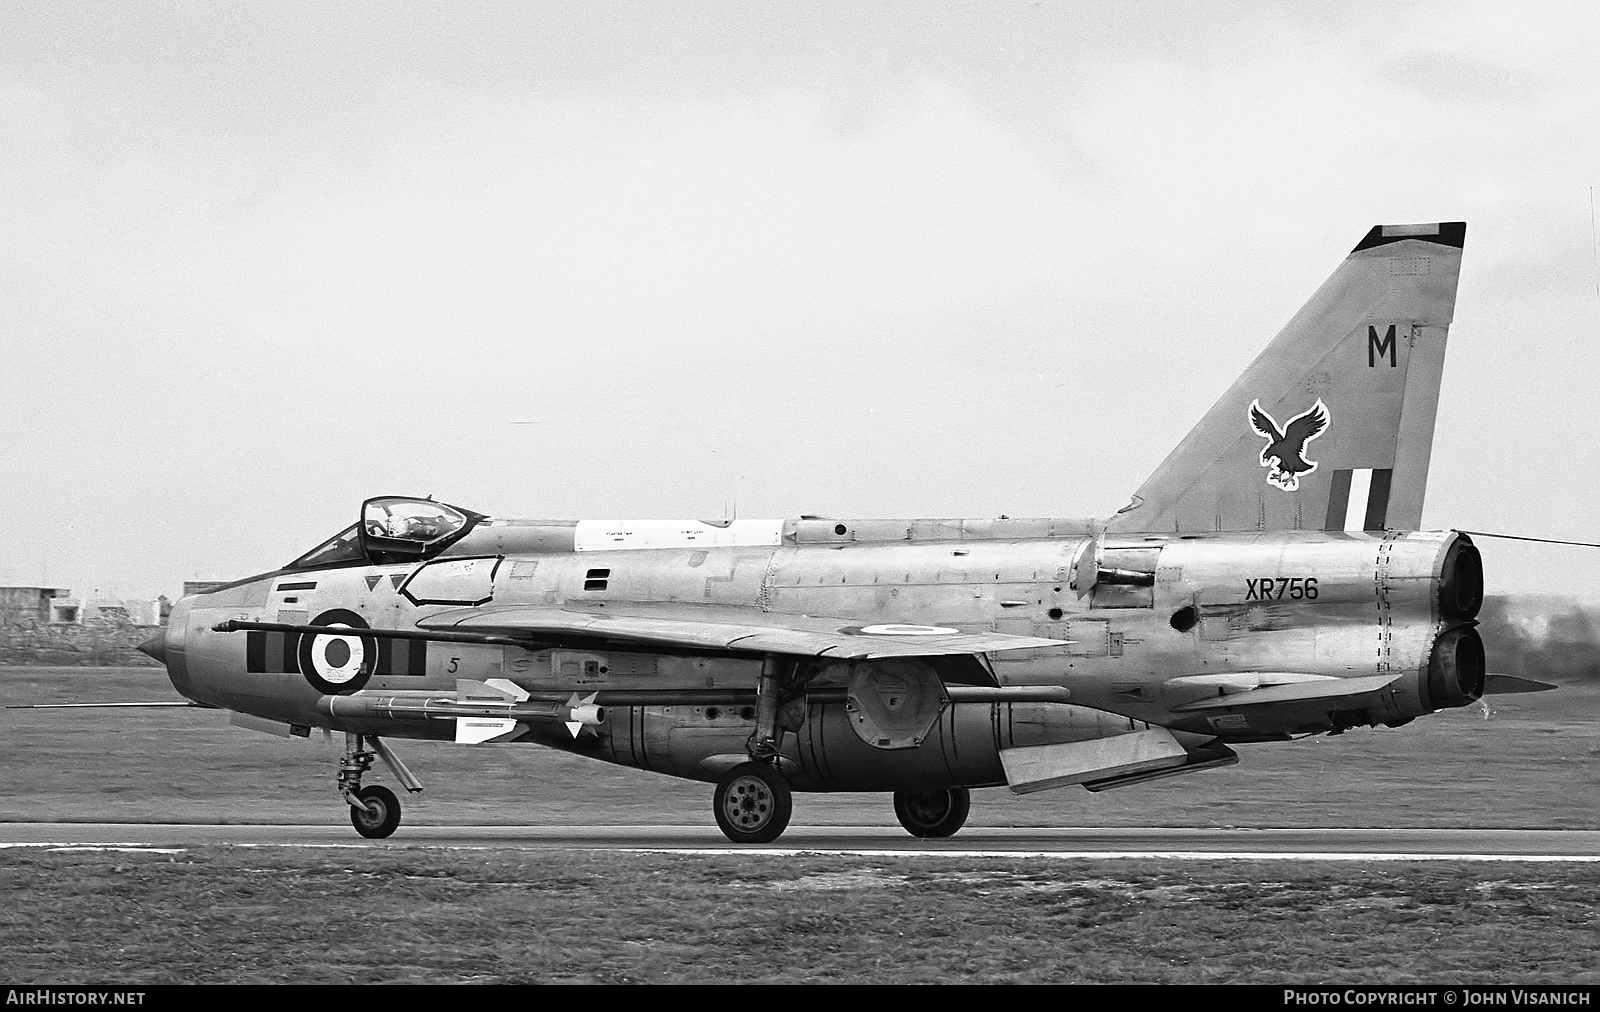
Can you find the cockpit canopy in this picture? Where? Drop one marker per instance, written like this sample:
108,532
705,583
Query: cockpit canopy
420,521
392,529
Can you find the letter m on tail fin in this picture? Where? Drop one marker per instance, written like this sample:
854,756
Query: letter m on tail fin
1379,347
1331,427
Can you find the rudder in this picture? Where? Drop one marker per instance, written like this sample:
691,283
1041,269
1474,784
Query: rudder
1331,427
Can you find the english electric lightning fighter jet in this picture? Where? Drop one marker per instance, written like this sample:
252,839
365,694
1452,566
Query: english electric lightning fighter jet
1267,581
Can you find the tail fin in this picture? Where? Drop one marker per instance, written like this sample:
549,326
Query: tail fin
1331,427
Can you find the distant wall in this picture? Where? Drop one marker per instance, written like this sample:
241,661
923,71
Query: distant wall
19,603
99,642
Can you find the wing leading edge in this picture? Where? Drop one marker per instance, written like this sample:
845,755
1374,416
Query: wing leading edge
725,628
695,628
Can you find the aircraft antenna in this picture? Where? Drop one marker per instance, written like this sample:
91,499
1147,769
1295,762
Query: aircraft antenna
1542,541
1594,244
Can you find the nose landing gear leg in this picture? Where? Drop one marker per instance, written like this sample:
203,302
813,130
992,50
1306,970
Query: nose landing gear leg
374,811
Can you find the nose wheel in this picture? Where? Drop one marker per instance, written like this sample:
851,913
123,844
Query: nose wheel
377,815
753,803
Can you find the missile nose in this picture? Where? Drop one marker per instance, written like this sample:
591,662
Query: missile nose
155,646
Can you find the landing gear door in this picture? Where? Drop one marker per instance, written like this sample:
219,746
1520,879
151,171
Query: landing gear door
894,704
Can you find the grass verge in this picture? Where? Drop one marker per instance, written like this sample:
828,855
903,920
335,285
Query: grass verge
240,915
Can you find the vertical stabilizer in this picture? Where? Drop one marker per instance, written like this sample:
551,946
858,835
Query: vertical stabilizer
1331,427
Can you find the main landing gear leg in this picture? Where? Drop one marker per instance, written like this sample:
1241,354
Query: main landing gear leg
753,801
374,811
766,740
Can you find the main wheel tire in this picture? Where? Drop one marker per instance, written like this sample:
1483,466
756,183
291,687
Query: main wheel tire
932,813
753,803
380,814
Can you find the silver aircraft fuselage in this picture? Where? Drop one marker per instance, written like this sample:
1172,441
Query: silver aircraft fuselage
1189,632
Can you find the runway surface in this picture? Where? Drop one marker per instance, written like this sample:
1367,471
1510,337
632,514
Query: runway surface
1303,844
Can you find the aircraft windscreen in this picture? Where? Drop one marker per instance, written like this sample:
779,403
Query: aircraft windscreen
342,547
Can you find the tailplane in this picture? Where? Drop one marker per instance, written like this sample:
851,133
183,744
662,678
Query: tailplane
1331,427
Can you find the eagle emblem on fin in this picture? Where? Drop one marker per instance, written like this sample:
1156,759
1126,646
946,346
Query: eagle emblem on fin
1284,456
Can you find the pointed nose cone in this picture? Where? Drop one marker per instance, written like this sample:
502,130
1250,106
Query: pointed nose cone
155,646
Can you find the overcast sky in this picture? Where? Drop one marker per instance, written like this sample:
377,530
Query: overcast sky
259,262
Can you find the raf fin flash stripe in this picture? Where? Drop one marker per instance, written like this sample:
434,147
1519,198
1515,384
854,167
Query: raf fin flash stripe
277,652
1359,500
